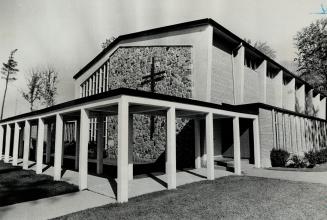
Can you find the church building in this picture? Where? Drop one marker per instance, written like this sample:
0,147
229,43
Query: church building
179,96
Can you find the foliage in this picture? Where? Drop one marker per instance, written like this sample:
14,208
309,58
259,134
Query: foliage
8,71
296,161
311,43
263,47
34,88
49,81
278,157
108,41
41,86
317,157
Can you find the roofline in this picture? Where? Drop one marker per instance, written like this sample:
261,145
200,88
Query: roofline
128,92
153,31
190,24
254,107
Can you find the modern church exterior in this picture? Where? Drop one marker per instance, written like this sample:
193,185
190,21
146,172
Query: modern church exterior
189,93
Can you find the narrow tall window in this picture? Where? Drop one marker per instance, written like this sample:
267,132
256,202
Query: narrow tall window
108,75
86,88
100,80
105,78
90,86
93,84
97,82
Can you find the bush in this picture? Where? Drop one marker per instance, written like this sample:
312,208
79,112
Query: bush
316,157
278,157
312,157
296,161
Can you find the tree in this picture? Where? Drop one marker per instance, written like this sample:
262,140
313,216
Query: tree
108,41
263,47
311,43
8,71
49,86
34,88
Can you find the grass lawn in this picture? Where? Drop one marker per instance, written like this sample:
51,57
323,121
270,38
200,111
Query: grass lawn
17,185
232,197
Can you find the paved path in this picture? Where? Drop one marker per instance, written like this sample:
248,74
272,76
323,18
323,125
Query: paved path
100,191
54,206
310,177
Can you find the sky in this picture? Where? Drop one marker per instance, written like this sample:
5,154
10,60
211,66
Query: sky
67,34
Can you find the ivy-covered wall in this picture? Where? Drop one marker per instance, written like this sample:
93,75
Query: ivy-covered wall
127,66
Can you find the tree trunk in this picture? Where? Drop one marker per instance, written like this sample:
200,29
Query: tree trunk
4,96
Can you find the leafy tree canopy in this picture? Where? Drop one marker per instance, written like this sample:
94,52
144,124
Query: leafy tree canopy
263,47
311,43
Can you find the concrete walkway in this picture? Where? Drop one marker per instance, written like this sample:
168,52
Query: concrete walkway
310,177
100,191
54,206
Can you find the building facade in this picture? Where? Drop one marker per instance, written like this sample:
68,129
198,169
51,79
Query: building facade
189,92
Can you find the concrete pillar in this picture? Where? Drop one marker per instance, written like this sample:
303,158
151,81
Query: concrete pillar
171,148
48,144
1,140
210,147
8,137
256,143
122,160
130,147
77,131
27,140
204,147
197,143
83,149
58,147
39,148
16,144
237,148
238,75
100,143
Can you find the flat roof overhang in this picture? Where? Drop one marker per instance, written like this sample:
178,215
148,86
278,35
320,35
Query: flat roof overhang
141,102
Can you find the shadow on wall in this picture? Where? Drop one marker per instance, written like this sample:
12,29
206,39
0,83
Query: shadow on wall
246,139
184,149
309,107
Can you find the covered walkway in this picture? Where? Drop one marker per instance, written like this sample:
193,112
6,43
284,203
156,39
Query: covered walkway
123,103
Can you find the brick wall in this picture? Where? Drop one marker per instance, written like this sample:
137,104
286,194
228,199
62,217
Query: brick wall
274,90
293,133
289,95
266,136
222,77
251,86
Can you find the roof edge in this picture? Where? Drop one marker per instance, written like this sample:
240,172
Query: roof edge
153,31
189,24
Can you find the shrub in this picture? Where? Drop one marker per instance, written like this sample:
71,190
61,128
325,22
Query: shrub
296,161
317,157
312,157
278,157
